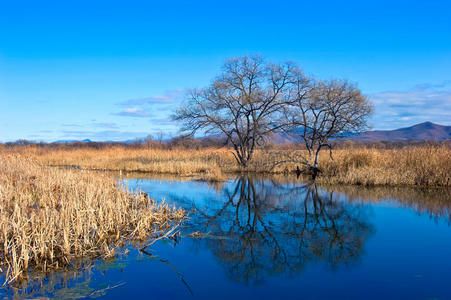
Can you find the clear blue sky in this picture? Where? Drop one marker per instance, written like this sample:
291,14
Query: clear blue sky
114,71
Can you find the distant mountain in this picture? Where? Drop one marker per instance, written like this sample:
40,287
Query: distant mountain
136,140
426,131
71,141
421,132
282,138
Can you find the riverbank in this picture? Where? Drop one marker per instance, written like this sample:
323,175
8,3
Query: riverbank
427,165
50,217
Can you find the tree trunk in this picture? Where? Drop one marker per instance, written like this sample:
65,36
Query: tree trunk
314,172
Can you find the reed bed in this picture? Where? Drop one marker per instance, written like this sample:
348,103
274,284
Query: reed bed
410,166
50,217
426,165
176,161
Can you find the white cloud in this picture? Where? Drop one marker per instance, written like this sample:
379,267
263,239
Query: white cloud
71,125
425,102
164,104
133,112
169,97
105,125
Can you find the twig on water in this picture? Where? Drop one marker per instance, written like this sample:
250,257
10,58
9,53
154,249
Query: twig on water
165,261
168,235
105,289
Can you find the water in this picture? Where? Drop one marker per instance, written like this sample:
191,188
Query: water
272,238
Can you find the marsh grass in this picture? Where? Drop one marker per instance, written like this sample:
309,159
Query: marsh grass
410,166
426,165
49,217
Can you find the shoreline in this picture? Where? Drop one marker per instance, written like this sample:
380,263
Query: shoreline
231,175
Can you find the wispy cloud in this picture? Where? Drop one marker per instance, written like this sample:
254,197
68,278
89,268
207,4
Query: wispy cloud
92,124
424,102
162,121
169,97
111,125
141,107
71,125
135,112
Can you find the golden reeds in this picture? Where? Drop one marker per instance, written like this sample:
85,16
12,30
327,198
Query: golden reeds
50,216
419,166
427,165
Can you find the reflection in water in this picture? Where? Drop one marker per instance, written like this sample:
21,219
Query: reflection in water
71,283
434,202
260,228
264,228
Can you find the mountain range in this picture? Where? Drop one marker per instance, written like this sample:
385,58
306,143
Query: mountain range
426,131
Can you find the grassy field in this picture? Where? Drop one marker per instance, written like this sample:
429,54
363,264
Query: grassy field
427,165
49,217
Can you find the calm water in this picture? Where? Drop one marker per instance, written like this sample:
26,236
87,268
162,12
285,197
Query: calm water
274,238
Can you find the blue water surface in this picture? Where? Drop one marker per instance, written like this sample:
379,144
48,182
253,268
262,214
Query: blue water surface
269,238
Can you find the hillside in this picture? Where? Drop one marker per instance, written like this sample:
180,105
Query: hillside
426,131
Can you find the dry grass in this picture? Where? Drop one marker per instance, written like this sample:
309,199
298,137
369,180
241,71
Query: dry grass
178,161
416,165
49,217
420,166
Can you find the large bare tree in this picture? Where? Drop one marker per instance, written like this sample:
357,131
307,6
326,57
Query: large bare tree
242,103
323,111
251,99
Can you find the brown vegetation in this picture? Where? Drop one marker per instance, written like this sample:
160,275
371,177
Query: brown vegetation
49,217
423,165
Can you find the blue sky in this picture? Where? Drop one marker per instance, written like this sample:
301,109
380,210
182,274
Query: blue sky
106,70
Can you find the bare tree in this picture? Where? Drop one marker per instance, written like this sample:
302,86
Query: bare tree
324,111
251,99
242,103
160,135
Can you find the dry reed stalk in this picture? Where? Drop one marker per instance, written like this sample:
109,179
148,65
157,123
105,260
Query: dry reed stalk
49,216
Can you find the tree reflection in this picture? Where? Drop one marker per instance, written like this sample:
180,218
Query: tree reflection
266,229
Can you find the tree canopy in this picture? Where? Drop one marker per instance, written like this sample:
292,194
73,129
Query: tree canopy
251,98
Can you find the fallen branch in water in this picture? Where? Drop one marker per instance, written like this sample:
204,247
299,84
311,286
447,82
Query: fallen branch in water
165,261
169,235
105,289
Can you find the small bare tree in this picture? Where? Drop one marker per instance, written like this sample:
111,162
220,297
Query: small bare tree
242,103
324,111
